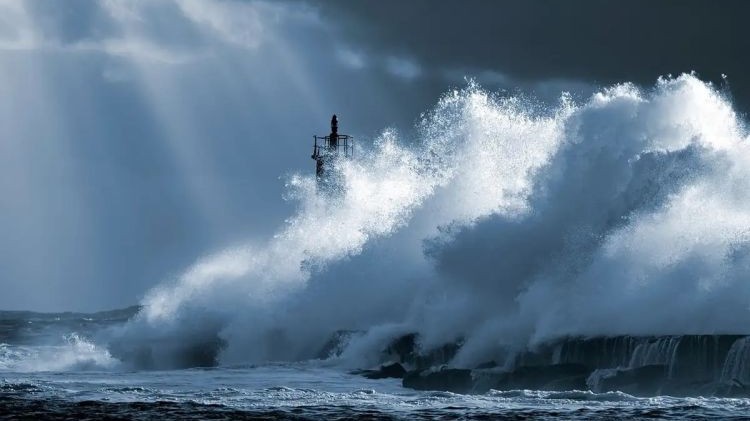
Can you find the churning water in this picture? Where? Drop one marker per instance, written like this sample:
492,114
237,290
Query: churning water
503,224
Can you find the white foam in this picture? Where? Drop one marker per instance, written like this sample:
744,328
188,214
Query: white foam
625,214
75,354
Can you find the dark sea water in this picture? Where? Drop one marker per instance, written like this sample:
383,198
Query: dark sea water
51,368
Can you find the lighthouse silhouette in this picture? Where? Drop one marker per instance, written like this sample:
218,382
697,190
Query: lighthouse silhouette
328,149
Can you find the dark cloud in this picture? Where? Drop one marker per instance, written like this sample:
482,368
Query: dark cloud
596,41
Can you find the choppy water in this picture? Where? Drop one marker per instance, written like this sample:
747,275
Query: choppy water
51,368
311,391
616,188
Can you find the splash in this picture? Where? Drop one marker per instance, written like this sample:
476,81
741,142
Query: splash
76,353
507,223
380,192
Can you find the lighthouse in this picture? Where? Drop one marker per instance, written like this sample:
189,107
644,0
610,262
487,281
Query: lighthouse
327,149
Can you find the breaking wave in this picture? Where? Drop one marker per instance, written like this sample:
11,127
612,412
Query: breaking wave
74,354
505,223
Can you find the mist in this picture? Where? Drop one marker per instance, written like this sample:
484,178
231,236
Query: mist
508,224
137,137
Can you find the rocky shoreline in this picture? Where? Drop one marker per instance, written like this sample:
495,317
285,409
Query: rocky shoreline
678,365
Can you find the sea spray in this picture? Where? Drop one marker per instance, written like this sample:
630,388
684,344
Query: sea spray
380,191
636,227
73,353
535,222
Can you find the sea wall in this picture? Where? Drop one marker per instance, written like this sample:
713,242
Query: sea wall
678,365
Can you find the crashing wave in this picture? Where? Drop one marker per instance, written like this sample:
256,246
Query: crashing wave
507,224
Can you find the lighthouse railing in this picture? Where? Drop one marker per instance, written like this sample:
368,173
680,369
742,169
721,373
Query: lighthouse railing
344,145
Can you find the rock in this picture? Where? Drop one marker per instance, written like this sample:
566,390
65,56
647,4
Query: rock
405,350
438,356
699,365
394,371
543,377
555,377
454,380
558,377
336,343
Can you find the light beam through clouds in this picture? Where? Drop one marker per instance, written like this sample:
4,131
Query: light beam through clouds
218,75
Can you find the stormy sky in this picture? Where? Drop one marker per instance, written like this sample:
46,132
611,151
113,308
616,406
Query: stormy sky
137,136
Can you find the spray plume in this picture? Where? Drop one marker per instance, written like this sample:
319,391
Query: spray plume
507,224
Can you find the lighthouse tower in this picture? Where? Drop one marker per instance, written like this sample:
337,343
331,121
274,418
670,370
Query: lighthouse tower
327,149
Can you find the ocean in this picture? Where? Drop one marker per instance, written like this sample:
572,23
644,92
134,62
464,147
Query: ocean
531,247
50,368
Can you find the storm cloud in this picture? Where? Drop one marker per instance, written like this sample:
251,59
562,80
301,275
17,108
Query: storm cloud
600,42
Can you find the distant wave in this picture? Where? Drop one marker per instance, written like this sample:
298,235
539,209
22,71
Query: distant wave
74,354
